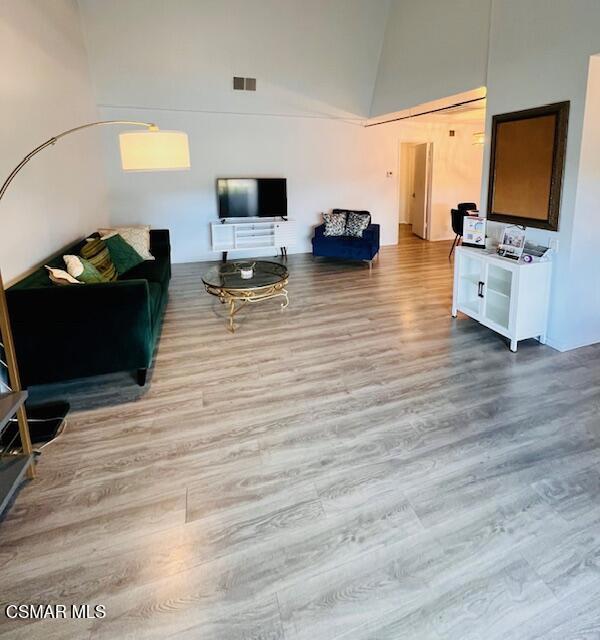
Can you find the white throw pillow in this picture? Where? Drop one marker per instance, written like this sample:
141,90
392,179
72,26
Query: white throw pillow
74,265
83,270
137,237
60,276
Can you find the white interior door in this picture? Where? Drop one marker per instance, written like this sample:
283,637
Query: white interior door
419,197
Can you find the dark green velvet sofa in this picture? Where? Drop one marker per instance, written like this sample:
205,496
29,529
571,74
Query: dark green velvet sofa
74,331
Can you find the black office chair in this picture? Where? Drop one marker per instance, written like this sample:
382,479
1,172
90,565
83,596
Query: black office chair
458,220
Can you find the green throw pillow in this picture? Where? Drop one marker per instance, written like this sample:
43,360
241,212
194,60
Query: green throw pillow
96,252
123,255
83,270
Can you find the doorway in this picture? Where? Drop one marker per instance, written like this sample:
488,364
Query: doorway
415,187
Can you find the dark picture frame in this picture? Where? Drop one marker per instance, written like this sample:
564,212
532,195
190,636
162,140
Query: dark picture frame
527,162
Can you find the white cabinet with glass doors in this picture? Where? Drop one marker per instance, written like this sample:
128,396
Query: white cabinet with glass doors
508,297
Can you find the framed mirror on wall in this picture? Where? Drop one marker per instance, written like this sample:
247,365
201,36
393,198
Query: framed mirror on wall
526,166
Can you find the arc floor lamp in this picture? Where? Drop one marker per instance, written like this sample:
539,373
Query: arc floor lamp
150,150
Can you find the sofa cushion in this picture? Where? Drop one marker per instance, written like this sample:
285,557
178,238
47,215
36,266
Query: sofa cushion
347,241
347,211
83,270
39,277
137,237
335,223
344,247
356,223
123,255
151,270
96,253
60,276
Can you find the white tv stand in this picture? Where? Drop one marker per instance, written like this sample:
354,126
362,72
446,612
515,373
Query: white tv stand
252,233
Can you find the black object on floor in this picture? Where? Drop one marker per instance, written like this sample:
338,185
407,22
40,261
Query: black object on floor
46,421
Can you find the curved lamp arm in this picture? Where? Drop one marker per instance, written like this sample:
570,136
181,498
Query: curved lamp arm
149,125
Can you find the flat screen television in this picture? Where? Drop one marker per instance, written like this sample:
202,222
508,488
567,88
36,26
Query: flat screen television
252,197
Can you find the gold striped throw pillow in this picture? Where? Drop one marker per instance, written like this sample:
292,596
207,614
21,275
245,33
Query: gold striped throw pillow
95,251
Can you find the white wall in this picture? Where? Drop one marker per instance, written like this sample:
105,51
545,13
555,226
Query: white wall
44,89
585,251
328,163
432,49
457,166
539,53
405,181
315,64
456,175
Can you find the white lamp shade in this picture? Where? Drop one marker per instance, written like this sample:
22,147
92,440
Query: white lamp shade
154,150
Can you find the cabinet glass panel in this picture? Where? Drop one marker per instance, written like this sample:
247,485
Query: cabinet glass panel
497,295
468,286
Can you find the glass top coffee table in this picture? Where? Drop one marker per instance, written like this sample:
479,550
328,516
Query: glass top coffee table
237,283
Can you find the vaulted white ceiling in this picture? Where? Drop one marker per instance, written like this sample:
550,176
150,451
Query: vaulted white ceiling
345,58
309,56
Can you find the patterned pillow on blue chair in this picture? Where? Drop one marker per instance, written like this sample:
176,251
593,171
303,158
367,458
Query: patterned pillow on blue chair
356,223
335,223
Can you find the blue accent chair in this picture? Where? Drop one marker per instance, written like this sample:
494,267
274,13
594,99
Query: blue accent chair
347,247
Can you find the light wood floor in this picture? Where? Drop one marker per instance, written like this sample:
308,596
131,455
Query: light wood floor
360,466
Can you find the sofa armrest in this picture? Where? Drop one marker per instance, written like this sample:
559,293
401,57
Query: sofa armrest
160,243
79,302
320,231
68,331
371,234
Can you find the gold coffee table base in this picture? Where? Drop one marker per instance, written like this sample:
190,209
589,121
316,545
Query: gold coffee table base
238,298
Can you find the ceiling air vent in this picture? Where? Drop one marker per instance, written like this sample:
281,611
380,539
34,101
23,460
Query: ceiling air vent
244,84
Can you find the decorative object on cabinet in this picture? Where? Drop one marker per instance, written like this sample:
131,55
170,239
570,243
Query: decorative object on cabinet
526,166
512,243
535,252
474,232
508,297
